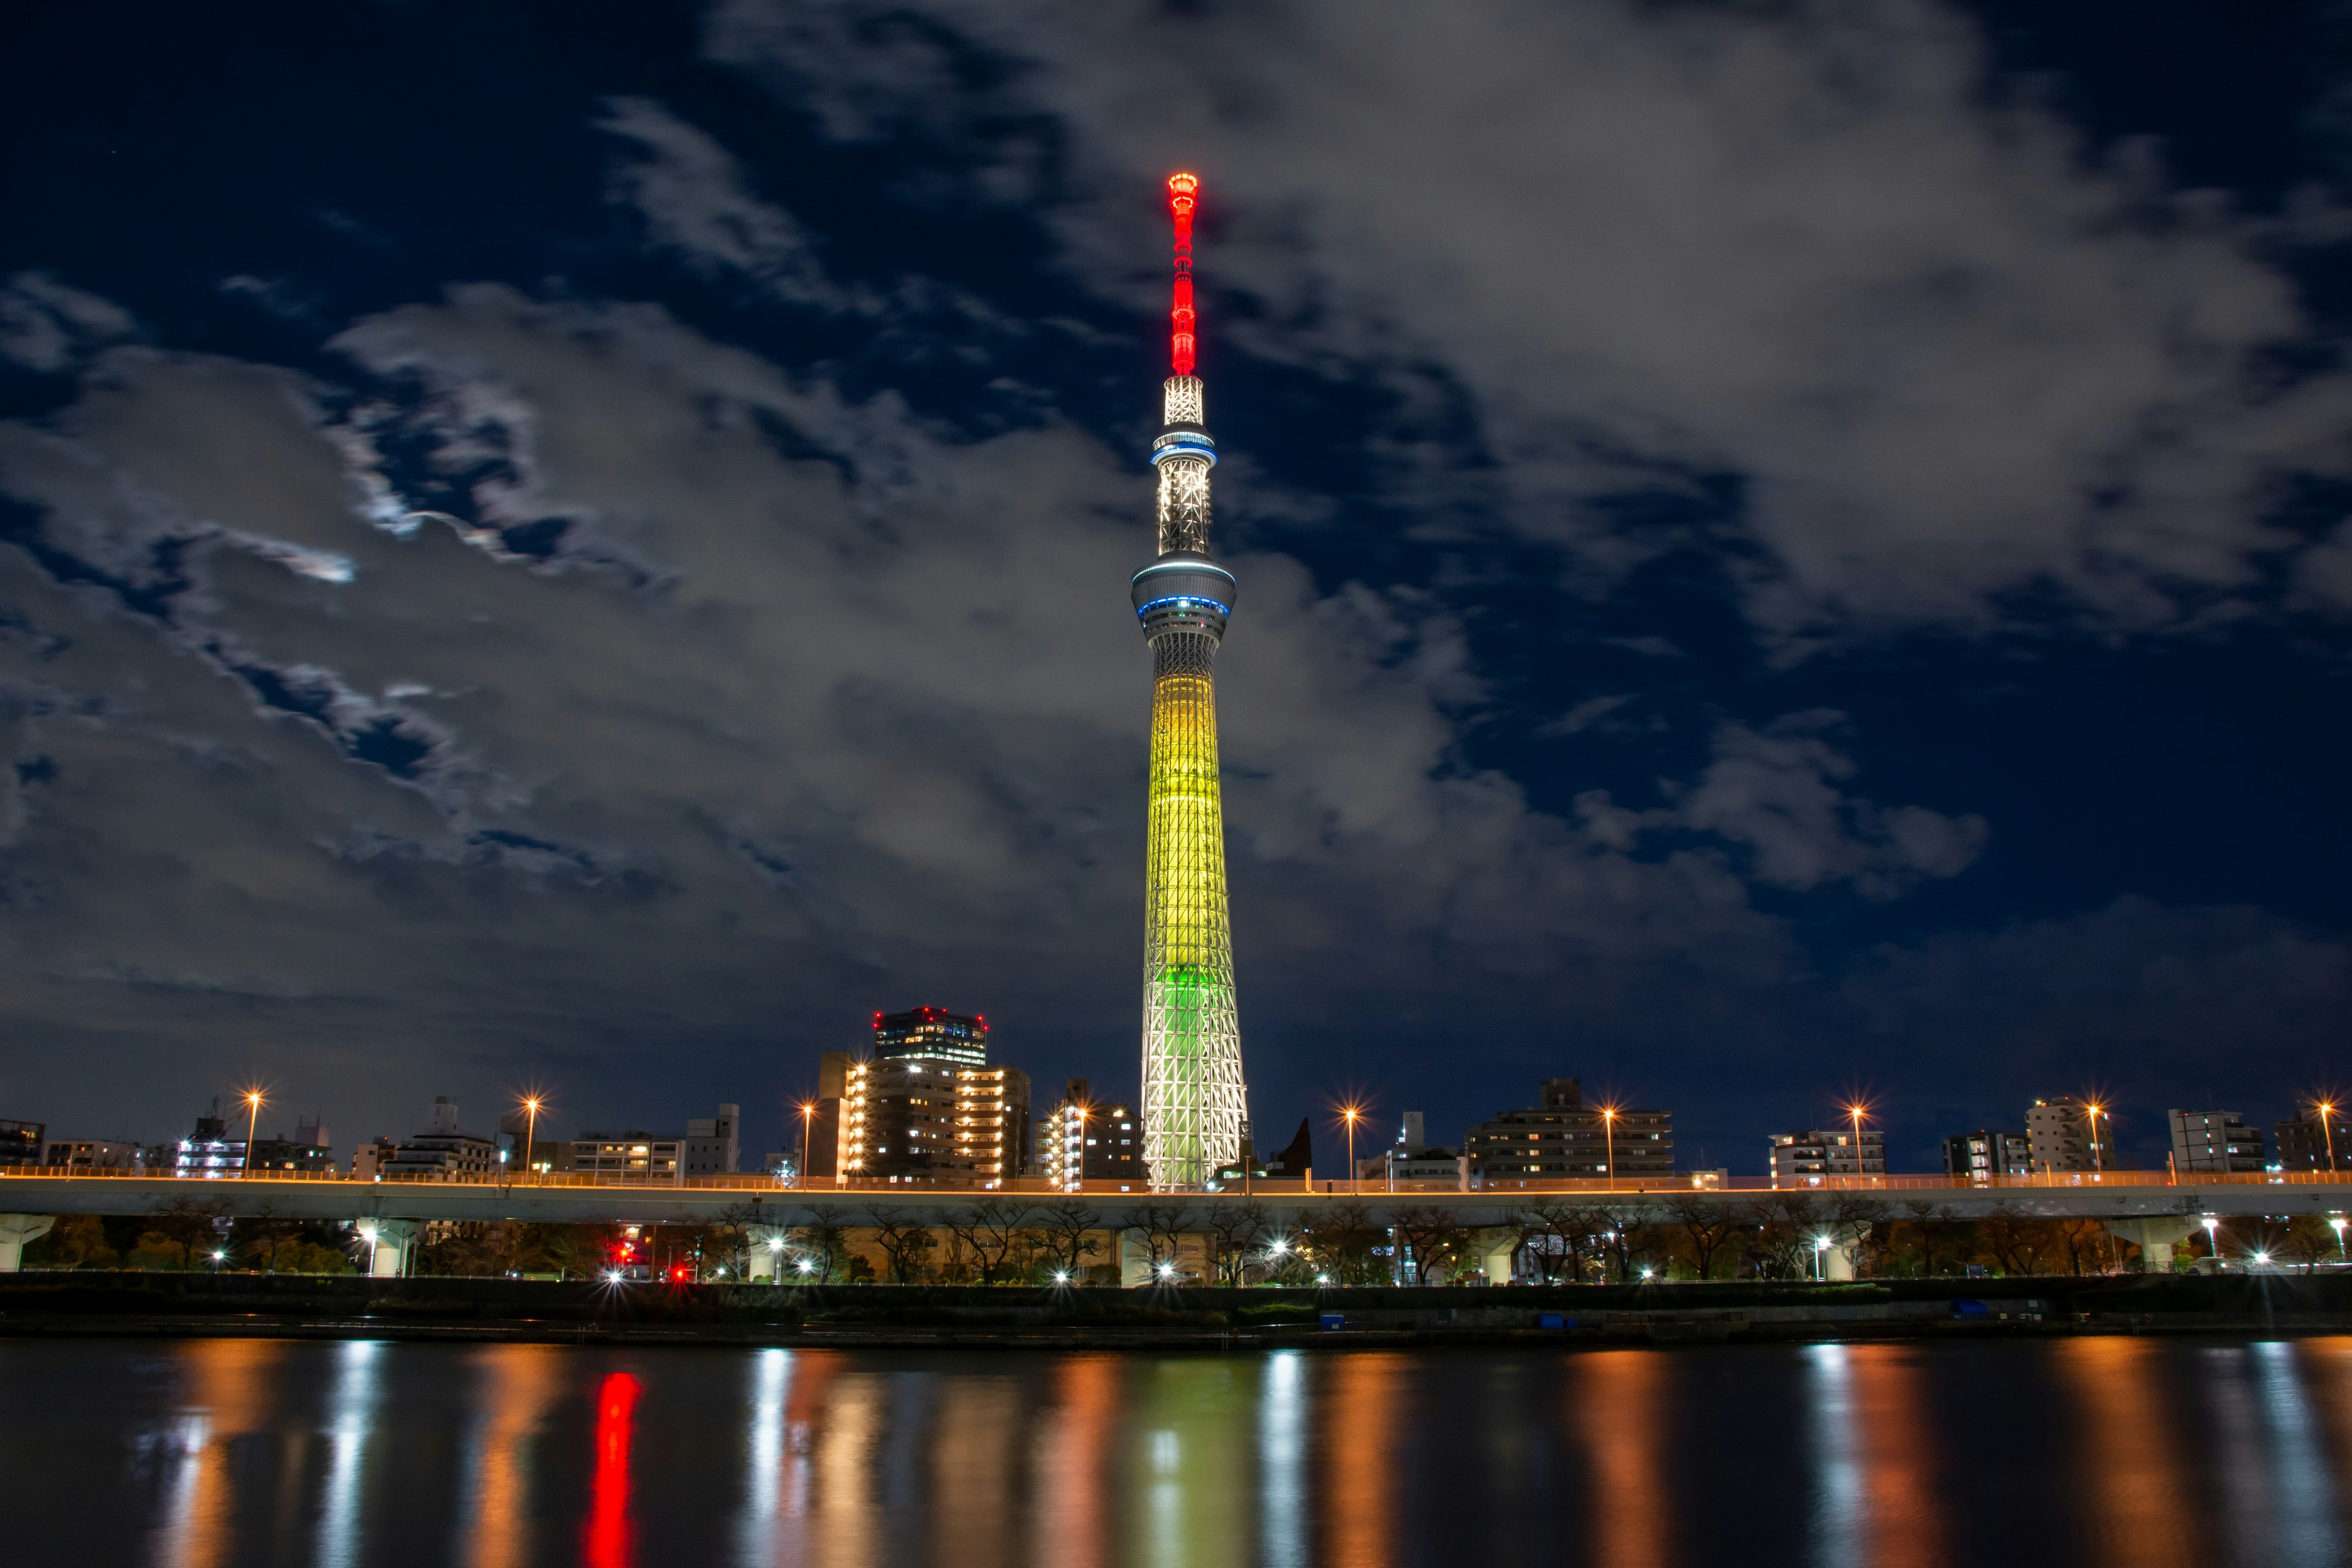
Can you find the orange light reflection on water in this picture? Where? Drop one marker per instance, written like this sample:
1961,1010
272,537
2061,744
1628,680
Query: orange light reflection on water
2134,1473
229,1378
1904,1514
516,1383
1071,1529
1360,1421
1620,1405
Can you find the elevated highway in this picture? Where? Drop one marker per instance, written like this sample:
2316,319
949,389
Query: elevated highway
2147,1208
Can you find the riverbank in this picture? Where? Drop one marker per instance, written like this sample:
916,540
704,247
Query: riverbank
79,1305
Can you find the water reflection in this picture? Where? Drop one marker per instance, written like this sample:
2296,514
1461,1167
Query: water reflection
2114,1452
514,1387
1619,1415
2142,1513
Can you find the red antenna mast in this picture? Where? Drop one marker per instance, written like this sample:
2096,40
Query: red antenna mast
1182,190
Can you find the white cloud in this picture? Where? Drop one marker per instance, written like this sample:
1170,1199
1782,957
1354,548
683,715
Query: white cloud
1947,354
48,326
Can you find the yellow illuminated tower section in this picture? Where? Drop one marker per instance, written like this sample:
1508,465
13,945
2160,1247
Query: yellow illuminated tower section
1193,1100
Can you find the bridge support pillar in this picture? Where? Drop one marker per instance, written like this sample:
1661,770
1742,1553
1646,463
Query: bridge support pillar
390,1243
768,1243
2154,1235
1842,1259
1496,1250
15,1230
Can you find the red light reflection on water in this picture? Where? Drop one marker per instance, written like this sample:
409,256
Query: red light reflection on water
609,1541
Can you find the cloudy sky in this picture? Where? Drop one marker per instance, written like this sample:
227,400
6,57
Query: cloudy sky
1787,549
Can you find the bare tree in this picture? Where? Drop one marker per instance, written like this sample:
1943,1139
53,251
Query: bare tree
823,1243
989,1230
1784,1228
2016,1241
1163,1226
1558,1236
1234,1230
1339,1239
1863,1224
2085,1243
1627,1237
1709,1226
1429,1239
1067,1231
191,1224
905,1240
264,1232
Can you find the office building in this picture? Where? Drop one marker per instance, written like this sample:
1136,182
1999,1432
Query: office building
22,1142
1821,1154
2306,1143
2063,1133
1564,1137
1080,1140
2216,1141
442,1153
1985,1153
933,1034
713,1145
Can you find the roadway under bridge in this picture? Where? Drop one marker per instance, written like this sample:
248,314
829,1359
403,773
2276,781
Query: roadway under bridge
2148,1211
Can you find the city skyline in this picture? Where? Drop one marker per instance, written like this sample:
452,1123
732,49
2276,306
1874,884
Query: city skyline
606,597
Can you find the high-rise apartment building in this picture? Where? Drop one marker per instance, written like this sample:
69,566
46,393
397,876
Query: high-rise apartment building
2066,1135
1985,1153
1565,1137
990,1143
1194,1101
1083,1140
928,1110
1821,1154
2214,1140
2315,1139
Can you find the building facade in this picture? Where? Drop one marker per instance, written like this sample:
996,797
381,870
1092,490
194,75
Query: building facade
933,1033
208,1153
898,1120
1194,1101
713,1145
1820,1155
2214,1140
2065,1135
1080,1140
991,1141
442,1153
23,1142
93,1154
1981,1156
654,1159
2314,1141
1562,1136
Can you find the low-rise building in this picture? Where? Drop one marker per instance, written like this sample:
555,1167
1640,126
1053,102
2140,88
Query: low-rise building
630,1156
1821,1154
2315,1139
368,1162
442,1153
712,1143
2214,1140
93,1154
209,1153
22,1142
307,1152
1565,1137
1987,1152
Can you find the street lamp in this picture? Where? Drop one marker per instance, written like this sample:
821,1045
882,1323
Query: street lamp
2095,1111
2212,1241
531,1104
1853,1114
2327,1132
808,1119
1353,1114
1609,1142
2336,1225
252,1126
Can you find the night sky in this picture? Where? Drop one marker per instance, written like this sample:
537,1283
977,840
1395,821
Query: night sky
1786,550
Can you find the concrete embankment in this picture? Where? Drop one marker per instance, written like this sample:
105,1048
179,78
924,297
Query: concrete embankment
182,1305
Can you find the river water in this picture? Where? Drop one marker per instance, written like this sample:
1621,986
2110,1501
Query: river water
2081,1451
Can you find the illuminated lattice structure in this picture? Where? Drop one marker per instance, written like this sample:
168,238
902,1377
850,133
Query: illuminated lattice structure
1194,1102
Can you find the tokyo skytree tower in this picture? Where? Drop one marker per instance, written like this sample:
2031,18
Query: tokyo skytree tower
1194,1099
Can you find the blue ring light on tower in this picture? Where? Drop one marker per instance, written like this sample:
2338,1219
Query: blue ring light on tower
1183,588
1184,444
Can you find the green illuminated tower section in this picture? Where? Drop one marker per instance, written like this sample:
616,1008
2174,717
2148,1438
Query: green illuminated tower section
1194,1102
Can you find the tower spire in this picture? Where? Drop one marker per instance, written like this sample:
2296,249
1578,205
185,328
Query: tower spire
1194,1101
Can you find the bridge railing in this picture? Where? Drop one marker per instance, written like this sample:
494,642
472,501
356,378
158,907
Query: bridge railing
1322,1188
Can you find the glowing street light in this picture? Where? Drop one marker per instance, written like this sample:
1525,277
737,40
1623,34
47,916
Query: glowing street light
2336,1223
2327,1130
253,1103
808,1117
1280,1247
1609,1142
2096,1111
1061,1277
531,1104
807,1266
1351,1114
1854,1113
775,1243
2212,1241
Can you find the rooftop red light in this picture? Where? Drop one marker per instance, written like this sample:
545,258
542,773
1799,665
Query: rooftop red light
1182,190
